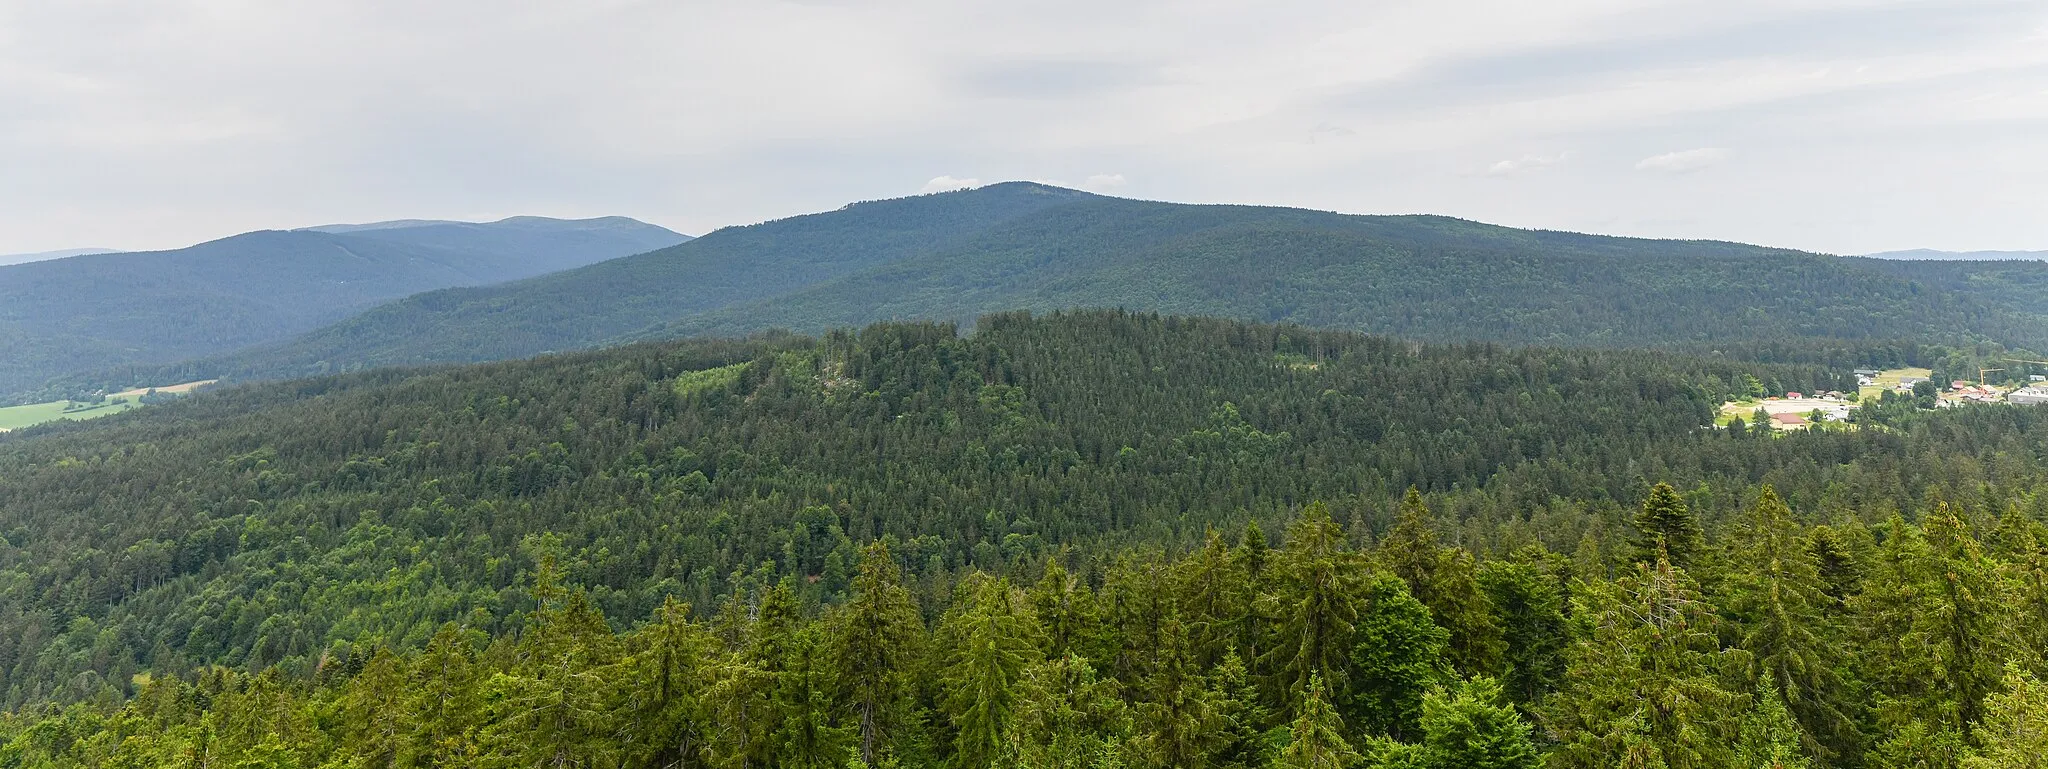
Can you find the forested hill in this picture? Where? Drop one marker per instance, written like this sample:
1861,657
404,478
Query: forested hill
954,256
923,549
94,312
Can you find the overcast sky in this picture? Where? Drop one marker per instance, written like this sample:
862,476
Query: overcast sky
1842,127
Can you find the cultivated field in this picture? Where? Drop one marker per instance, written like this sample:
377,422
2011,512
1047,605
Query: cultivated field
17,417
1889,380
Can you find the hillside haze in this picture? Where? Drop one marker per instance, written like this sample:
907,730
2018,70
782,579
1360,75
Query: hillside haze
38,256
95,312
955,256
1979,256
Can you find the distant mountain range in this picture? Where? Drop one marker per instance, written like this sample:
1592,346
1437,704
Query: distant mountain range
7,259
958,255
101,312
1930,254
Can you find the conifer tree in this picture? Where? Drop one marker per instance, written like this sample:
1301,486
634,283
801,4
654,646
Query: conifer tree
1769,737
1444,580
1776,597
1643,684
1665,524
1316,739
1067,717
1176,718
552,708
2014,732
1213,599
1530,607
877,637
377,733
1314,608
992,639
1242,720
1839,554
1254,558
1966,622
672,666
1067,612
738,704
1410,549
1137,600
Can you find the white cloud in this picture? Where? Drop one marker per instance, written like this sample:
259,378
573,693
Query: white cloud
1524,164
948,184
655,110
1686,161
1100,182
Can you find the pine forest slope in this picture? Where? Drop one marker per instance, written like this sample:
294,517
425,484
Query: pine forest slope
262,524
905,547
955,256
89,313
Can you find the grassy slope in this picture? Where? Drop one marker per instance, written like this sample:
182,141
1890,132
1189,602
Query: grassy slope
17,417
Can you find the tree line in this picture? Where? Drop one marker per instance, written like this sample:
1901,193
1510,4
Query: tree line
1774,644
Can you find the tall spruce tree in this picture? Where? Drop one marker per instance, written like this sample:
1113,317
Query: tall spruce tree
1769,737
2014,732
1241,719
1967,622
992,638
876,640
1177,719
1665,524
1643,687
1314,608
1316,736
1530,606
1444,579
1775,598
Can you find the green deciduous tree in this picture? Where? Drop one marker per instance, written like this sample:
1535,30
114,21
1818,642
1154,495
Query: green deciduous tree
1398,656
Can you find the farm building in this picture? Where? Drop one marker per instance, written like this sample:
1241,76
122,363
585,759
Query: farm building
2028,396
1788,421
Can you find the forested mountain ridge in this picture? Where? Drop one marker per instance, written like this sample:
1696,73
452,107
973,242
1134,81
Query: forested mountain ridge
435,568
1415,276
94,312
607,301
955,256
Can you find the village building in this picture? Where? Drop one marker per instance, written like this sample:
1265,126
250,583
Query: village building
2028,396
1788,421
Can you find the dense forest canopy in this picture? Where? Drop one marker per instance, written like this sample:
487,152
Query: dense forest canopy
1085,539
1020,246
